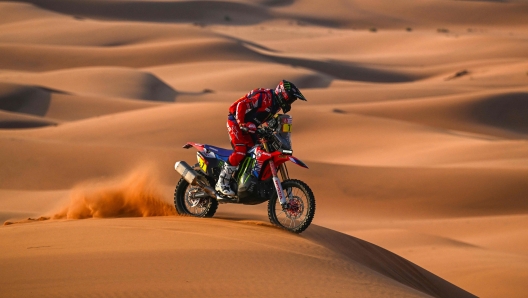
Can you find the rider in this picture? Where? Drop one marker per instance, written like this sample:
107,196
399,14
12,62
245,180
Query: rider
245,115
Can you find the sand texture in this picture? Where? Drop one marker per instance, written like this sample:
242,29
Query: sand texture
415,132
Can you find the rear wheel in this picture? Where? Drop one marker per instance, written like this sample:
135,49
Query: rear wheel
189,200
301,207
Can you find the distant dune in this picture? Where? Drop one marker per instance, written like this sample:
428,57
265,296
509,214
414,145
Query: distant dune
415,133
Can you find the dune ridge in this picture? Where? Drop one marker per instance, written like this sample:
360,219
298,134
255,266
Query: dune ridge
498,114
46,58
334,13
15,120
160,11
384,262
254,245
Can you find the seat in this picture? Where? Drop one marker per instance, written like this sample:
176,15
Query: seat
222,153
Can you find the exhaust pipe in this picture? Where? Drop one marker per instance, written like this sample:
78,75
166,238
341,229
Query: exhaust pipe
191,176
188,173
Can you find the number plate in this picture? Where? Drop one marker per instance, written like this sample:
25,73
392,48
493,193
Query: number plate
202,163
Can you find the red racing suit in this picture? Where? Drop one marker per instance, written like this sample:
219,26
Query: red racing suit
257,107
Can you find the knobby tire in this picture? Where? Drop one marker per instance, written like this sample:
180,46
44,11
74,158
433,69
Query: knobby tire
179,201
310,208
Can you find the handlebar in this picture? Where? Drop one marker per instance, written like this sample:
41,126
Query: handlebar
264,132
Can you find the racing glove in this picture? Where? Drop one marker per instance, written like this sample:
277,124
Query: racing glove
248,127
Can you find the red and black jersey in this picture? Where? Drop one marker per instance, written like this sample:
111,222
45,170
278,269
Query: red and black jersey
257,107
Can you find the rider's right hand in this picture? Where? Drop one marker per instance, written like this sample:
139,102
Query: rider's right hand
248,127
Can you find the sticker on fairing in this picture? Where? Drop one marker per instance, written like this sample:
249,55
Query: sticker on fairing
202,163
286,127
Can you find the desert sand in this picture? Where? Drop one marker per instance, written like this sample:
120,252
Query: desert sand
415,132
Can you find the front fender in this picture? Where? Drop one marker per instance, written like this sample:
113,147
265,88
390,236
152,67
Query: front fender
298,162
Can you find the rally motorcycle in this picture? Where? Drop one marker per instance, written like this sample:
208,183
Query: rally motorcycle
291,203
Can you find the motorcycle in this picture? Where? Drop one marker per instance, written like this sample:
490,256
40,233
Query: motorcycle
291,202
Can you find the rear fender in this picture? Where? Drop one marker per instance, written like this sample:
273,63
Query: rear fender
207,160
198,146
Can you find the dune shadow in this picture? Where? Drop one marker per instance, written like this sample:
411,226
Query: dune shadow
200,13
24,106
342,70
384,262
345,70
24,99
505,111
276,3
204,12
21,124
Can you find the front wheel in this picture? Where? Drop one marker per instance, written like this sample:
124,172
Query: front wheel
301,207
189,201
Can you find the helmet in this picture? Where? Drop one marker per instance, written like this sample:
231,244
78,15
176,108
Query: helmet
287,93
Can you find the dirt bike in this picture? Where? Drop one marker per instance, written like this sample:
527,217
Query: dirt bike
291,203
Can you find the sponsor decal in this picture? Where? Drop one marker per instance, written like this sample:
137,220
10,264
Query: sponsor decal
286,127
279,189
203,165
260,153
208,153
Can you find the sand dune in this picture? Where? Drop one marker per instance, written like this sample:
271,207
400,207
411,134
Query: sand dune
53,58
256,252
487,114
461,239
435,193
336,13
163,11
380,13
344,71
24,99
414,131
234,77
20,12
108,82
15,120
69,107
383,262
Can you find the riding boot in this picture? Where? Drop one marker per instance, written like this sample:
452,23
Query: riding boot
222,185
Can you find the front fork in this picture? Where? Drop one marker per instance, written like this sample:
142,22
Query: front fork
277,183
276,180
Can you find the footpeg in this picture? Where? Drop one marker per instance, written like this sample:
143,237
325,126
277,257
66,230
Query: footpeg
222,199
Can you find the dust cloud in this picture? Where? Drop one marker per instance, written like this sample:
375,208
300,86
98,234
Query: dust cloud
136,195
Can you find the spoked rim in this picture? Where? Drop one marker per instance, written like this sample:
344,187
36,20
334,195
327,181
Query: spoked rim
195,206
297,212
